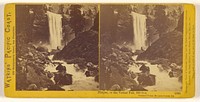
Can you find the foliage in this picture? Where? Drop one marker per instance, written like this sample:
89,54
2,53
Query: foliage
161,20
77,20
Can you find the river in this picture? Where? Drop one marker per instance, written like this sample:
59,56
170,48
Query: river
80,81
163,81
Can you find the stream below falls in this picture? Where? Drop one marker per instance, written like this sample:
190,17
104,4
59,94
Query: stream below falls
163,80
80,81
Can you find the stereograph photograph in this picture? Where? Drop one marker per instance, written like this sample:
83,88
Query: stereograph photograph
57,47
91,47
141,47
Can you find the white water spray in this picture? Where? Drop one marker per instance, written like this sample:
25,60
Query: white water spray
55,29
139,29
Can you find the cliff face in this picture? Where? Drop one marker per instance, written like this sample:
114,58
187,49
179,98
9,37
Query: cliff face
170,47
85,46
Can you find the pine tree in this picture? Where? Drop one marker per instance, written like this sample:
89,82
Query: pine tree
161,19
77,20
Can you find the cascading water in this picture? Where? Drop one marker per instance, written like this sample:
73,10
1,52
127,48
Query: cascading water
55,29
139,27
163,81
80,81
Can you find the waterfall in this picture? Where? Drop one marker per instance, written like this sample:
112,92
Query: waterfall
139,29
55,29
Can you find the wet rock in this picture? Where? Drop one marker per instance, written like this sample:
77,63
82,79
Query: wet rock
63,79
146,80
87,73
137,88
49,74
55,87
171,74
61,68
126,49
132,75
92,70
32,87
42,49
115,87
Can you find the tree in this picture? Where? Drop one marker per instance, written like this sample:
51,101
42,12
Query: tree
161,20
77,20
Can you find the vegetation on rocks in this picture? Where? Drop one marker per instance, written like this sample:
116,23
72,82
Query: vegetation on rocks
114,65
31,68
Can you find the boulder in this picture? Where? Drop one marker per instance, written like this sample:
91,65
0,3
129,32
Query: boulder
30,69
84,46
63,79
55,88
115,62
169,46
42,49
137,88
146,80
